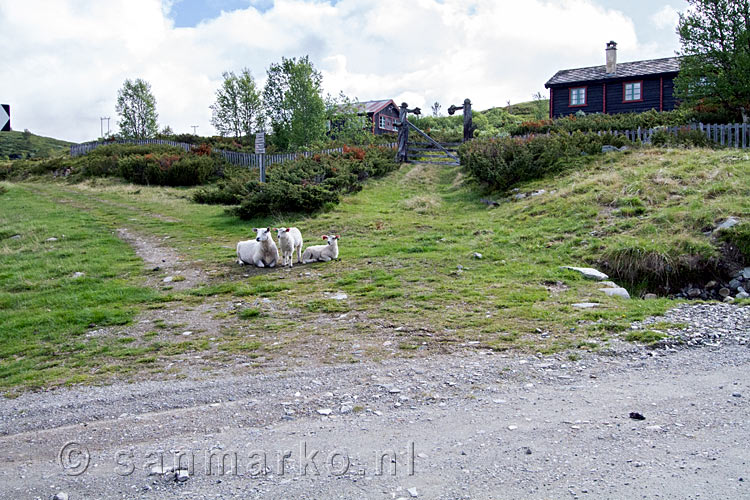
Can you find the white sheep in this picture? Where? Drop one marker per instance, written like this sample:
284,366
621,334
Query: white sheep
290,239
322,253
261,252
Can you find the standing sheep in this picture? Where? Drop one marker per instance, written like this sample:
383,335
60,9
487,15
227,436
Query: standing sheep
322,253
290,239
261,252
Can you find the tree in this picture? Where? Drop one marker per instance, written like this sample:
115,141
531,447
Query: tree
715,65
540,108
293,103
346,121
238,109
136,106
436,109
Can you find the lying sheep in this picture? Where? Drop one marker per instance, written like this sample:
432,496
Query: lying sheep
322,253
261,251
290,239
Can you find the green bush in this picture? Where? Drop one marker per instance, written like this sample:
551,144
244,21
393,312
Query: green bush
167,169
305,185
623,121
684,138
502,162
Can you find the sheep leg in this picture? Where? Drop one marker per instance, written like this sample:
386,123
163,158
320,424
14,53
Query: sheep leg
259,263
325,258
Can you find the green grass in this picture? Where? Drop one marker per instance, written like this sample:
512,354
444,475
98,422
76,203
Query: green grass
26,145
44,308
406,266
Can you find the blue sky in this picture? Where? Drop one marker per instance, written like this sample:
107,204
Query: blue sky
415,51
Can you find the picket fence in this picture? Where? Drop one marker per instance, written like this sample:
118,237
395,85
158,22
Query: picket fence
250,160
731,135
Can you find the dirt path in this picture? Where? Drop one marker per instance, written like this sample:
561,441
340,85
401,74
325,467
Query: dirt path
483,426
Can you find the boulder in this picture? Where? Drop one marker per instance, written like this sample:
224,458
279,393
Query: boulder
616,292
729,223
588,273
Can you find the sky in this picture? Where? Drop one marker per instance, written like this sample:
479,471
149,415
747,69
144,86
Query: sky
63,61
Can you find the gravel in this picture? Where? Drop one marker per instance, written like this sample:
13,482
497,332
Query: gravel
465,422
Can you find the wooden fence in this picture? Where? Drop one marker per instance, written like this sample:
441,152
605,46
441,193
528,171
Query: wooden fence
250,160
731,135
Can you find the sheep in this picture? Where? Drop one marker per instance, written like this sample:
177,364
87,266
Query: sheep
322,253
290,239
261,252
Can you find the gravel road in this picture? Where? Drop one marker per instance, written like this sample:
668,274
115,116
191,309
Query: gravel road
468,426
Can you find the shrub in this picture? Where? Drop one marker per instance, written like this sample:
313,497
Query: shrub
304,185
502,162
684,137
167,169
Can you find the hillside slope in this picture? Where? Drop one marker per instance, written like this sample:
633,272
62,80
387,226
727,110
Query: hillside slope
408,282
19,145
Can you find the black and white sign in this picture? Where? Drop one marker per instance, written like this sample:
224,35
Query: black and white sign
260,143
4,118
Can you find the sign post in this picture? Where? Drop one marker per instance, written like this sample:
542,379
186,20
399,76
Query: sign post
260,149
4,118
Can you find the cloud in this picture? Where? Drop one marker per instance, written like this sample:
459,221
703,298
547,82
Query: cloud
62,69
667,17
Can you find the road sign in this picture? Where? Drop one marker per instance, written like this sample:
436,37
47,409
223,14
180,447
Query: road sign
260,143
4,118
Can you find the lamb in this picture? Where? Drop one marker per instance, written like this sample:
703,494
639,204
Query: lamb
322,253
261,252
290,239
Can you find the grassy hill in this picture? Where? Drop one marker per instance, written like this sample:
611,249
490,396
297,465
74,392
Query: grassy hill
18,145
412,282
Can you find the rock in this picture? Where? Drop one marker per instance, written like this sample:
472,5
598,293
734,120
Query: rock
477,255
650,296
728,300
608,149
734,284
413,492
724,292
187,332
736,395
51,239
586,305
60,496
345,409
15,237
636,416
711,284
181,476
741,289
588,273
325,411
519,196
168,279
729,223
745,273
538,193
694,292
616,292
512,427
78,274
610,284
339,296
742,295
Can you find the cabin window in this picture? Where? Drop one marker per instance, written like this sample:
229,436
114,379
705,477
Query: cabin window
386,123
578,96
633,91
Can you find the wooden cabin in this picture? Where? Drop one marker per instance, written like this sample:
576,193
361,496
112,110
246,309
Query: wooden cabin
382,115
632,87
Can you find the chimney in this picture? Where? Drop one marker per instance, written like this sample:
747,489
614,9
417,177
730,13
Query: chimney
611,58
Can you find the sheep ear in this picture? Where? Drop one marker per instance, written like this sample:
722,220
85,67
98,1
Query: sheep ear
255,229
325,237
287,229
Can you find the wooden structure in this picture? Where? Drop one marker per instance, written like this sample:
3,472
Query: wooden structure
468,124
631,87
403,130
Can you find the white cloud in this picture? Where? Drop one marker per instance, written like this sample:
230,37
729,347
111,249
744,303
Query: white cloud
667,17
64,60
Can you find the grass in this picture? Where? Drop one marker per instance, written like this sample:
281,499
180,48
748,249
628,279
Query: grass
406,264
27,145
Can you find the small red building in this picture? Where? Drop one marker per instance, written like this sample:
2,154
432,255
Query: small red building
382,115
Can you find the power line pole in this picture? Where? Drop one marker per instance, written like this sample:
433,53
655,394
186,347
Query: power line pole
195,127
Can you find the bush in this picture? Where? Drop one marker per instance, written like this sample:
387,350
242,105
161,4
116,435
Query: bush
167,169
684,138
502,162
304,185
